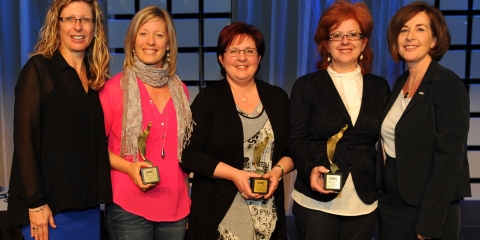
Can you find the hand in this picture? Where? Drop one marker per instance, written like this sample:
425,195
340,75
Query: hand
273,175
39,223
316,179
134,173
241,180
421,237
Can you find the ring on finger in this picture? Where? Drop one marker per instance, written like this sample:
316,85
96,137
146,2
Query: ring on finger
243,195
35,228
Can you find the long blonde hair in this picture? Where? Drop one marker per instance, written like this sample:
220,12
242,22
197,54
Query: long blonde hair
97,54
140,18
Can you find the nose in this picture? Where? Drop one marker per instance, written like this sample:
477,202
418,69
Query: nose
151,39
345,40
241,55
410,35
77,24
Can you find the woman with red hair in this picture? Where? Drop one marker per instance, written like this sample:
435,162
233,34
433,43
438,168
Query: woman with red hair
334,123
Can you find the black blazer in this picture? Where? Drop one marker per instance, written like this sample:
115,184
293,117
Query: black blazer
316,113
218,136
430,143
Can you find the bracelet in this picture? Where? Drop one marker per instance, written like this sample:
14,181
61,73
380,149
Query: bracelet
38,209
283,170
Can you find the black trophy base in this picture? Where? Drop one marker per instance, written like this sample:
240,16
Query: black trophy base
150,175
260,185
333,181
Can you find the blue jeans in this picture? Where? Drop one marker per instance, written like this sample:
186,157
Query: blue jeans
121,224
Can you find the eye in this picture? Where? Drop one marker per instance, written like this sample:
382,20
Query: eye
421,29
404,30
337,35
159,35
70,19
249,51
353,34
232,51
86,20
142,33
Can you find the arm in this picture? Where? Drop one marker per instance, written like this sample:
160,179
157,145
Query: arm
195,159
451,103
27,143
299,143
284,166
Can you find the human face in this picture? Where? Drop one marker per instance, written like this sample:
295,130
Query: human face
151,42
345,53
416,39
76,37
241,68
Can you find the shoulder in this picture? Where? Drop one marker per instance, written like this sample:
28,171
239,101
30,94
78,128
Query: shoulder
271,89
112,85
376,80
446,78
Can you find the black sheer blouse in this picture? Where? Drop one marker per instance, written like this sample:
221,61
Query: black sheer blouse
60,153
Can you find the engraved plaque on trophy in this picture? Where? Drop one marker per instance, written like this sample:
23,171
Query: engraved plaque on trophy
259,185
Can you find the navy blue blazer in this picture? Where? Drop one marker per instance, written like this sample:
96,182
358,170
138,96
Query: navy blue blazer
316,113
431,146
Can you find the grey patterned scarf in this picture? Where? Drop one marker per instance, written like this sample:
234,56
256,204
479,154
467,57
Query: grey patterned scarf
132,110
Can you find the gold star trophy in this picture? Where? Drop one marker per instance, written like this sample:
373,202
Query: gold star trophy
333,179
150,175
260,184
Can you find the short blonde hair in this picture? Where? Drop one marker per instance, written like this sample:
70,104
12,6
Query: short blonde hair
97,54
140,18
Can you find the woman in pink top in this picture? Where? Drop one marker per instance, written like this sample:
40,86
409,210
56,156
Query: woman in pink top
147,97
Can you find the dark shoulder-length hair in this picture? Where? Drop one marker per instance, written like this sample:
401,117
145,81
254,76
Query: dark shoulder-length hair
332,18
240,30
437,24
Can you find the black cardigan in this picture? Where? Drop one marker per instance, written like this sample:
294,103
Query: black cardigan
218,137
60,152
317,112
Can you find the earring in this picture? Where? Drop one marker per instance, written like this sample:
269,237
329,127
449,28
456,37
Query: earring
361,56
329,58
95,35
168,56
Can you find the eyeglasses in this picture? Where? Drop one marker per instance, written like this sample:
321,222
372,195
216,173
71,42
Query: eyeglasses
233,52
352,36
72,20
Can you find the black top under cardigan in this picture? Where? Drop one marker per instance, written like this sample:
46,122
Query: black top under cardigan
218,137
317,112
60,153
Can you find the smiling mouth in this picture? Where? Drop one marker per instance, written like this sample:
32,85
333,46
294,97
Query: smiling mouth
345,50
78,37
149,50
410,47
243,66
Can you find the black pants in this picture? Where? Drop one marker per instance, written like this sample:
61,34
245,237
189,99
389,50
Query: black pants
398,219
318,225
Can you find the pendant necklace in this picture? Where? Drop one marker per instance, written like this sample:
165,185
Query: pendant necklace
409,87
244,99
158,129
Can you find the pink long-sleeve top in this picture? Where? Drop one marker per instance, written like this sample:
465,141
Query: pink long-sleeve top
168,201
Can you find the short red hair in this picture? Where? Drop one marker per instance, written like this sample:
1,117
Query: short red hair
333,17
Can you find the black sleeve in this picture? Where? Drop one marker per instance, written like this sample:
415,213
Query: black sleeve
27,134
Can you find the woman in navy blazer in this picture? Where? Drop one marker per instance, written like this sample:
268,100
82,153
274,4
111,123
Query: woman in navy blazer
343,93
422,171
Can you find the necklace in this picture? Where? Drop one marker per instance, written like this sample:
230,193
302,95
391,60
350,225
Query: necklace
164,136
244,99
409,87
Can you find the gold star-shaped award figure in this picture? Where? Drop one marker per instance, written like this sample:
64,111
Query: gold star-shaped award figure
333,179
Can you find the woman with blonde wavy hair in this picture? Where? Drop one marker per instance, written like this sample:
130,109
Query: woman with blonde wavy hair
147,101
60,169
